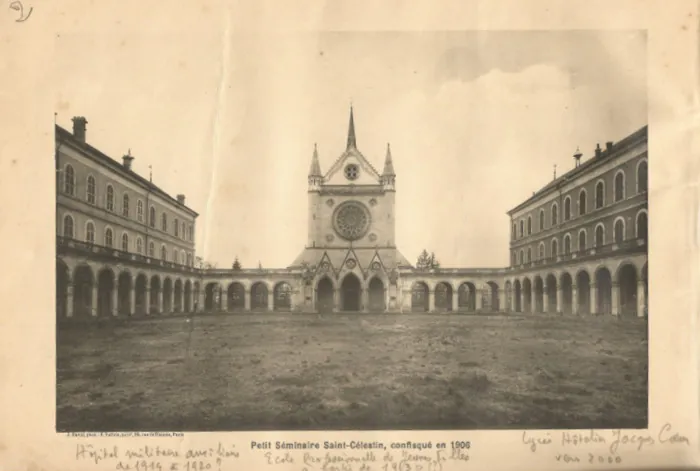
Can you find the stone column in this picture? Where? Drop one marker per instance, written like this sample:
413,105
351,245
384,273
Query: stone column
364,300
115,301
431,300
172,298
574,299
641,298
560,299
615,295
223,298
533,298
93,300
271,300
160,301
247,300
455,302
336,300
545,298
201,298
522,300
69,300
147,300
132,300
594,297
182,300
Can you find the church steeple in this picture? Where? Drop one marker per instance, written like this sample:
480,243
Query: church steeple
351,131
315,170
388,164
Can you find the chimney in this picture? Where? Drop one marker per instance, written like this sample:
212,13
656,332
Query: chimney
127,159
608,146
577,157
598,150
181,199
79,123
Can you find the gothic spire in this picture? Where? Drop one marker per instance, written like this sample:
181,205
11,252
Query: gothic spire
351,131
388,164
315,170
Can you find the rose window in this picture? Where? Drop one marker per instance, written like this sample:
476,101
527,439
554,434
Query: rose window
351,220
351,172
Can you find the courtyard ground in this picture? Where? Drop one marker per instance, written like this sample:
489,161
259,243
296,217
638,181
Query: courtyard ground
293,371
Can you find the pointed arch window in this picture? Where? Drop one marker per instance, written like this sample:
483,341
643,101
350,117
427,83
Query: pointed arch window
642,177
567,244
68,226
182,231
642,225
555,214
555,248
151,250
110,198
582,197
522,232
540,256
109,238
619,186
164,222
529,225
175,257
90,233
90,190
522,258
541,219
69,180
513,234
176,227
139,246
191,233
582,241
139,211
567,208
152,217
125,242
163,253
529,255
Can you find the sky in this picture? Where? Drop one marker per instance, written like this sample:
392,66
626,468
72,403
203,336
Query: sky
476,121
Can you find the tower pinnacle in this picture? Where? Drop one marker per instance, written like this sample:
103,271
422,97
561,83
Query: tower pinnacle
315,170
388,164
351,131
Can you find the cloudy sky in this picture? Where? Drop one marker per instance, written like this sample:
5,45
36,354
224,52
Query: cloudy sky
476,122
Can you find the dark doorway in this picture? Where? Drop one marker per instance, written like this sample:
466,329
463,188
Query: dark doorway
376,295
324,295
350,290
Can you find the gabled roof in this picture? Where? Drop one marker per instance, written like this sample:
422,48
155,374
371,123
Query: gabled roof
352,152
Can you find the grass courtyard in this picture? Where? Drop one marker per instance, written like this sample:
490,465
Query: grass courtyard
335,371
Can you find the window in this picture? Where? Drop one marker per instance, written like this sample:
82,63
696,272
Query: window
110,198
599,235
139,246
191,233
109,237
152,217
182,231
522,233
599,195
189,259
582,202
567,244
125,242
163,253
529,255
164,222
514,231
176,227
555,214
139,210
642,177
582,241
90,190
68,226
541,219
183,258
90,233
151,249
521,258
567,208
125,205
619,186
512,259
642,225
555,251
175,257
69,180
529,225
619,231
541,252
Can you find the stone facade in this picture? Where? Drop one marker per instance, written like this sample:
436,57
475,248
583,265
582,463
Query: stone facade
579,245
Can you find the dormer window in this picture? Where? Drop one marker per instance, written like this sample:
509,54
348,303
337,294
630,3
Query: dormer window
351,171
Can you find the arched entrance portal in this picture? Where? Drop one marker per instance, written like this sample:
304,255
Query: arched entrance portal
419,297
628,290
443,297
258,297
583,283
566,293
517,293
466,297
350,291
376,295
603,282
283,297
324,295
551,294
62,282
124,294
141,284
539,295
105,288
236,297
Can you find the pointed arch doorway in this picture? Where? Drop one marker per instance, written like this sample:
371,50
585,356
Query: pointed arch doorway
350,291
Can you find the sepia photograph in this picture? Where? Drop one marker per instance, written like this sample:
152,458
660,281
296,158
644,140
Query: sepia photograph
351,230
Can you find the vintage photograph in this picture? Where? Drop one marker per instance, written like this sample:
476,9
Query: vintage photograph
430,230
